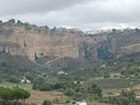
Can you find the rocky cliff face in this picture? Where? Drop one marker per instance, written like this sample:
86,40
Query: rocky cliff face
30,40
18,39
45,45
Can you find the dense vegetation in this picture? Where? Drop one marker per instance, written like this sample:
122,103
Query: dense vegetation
125,98
13,68
91,82
11,96
110,79
47,102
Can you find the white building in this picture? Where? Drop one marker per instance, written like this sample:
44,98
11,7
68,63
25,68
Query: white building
25,80
62,73
81,103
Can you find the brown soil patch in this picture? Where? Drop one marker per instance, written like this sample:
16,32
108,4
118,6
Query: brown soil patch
38,97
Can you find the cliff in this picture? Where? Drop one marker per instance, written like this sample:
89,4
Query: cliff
47,46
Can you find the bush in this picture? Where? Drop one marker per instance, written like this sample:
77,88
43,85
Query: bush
67,101
19,93
47,102
7,95
125,98
106,75
96,91
69,92
14,79
43,86
56,101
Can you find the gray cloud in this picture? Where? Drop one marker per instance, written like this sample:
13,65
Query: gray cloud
35,6
84,14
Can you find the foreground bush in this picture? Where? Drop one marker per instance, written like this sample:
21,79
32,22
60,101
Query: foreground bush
125,98
8,96
47,102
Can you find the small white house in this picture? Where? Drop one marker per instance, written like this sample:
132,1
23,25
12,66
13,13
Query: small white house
81,103
62,73
25,80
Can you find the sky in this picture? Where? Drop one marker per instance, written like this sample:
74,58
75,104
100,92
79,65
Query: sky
83,14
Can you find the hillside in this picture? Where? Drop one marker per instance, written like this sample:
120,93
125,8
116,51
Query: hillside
66,65
72,47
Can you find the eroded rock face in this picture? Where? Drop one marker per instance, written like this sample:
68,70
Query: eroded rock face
45,45
59,43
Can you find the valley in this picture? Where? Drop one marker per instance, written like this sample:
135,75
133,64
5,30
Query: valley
61,66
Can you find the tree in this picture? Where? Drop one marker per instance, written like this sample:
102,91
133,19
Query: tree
96,91
69,92
1,22
19,93
5,93
28,26
103,52
19,22
14,79
47,102
36,57
26,95
106,75
11,21
125,98
25,45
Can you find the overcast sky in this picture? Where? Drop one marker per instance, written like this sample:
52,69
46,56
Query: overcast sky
83,14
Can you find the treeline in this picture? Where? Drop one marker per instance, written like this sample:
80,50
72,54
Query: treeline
77,91
90,92
13,96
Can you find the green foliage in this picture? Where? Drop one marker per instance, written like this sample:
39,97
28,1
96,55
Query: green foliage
125,98
13,67
6,93
19,93
41,84
19,22
95,90
69,92
87,49
11,21
103,53
85,73
10,94
14,79
28,26
47,102
106,75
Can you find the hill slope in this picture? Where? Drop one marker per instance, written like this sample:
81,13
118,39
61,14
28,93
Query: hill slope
47,46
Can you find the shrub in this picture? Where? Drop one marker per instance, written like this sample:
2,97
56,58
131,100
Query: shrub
69,92
125,98
47,102
14,79
96,91
7,95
